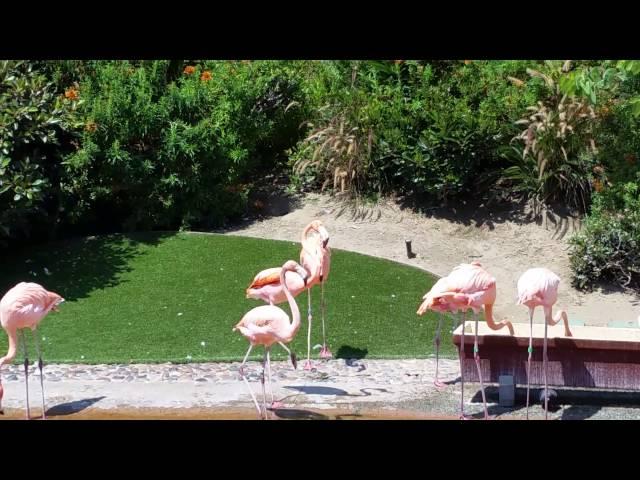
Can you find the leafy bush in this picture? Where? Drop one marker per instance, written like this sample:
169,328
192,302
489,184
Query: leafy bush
607,247
35,124
558,150
161,151
430,128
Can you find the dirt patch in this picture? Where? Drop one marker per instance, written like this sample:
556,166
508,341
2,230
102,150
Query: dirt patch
501,239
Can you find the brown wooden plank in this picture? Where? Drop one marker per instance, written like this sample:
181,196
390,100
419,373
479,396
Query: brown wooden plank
591,359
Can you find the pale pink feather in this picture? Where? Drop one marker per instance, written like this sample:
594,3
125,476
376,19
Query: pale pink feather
538,287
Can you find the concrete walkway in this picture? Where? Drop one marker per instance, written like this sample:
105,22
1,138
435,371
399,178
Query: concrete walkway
380,388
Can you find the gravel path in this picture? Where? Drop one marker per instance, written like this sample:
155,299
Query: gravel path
364,388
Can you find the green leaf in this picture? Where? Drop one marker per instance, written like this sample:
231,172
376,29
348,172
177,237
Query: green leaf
635,106
17,197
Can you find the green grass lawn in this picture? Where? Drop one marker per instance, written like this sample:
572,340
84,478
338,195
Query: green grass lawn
154,297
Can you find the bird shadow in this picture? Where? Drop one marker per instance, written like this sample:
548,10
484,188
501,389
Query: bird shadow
298,414
313,390
78,266
76,406
348,353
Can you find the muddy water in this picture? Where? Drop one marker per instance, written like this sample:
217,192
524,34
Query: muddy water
226,414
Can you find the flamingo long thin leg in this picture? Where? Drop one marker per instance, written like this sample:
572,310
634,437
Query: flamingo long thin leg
26,370
262,380
307,365
530,350
545,364
325,352
462,415
269,373
274,404
476,357
437,382
36,340
244,378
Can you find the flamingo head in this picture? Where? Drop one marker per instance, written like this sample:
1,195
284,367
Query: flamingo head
293,266
54,301
319,227
324,236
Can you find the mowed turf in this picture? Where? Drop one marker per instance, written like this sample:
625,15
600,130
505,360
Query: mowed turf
159,297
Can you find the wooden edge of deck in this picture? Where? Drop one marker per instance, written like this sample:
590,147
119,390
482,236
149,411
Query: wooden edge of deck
583,337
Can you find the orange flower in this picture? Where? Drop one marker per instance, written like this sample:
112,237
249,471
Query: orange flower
91,127
71,93
206,76
189,69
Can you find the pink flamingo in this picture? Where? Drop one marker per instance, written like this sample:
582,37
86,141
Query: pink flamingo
315,257
539,287
268,324
467,286
266,286
24,306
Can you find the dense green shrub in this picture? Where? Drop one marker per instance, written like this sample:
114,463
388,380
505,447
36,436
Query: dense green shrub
165,149
557,152
607,248
424,127
35,126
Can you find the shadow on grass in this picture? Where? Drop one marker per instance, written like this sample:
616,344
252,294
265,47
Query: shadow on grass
74,268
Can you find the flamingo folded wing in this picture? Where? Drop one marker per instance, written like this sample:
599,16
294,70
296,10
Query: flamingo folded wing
266,277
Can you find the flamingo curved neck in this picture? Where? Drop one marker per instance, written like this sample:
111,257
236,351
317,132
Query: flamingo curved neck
491,323
295,312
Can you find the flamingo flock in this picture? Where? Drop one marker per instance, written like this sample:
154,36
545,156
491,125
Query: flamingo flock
468,287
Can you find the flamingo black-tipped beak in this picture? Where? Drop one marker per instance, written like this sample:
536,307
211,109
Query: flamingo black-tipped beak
325,242
294,360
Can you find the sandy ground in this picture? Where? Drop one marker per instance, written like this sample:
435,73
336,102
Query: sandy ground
500,240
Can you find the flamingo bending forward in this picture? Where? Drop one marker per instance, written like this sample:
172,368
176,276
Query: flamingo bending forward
315,257
468,286
538,287
268,324
24,306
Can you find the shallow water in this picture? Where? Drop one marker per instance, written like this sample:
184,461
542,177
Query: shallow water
226,414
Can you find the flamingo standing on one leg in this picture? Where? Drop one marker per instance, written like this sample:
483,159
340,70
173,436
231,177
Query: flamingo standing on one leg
315,257
467,286
268,324
539,287
24,306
